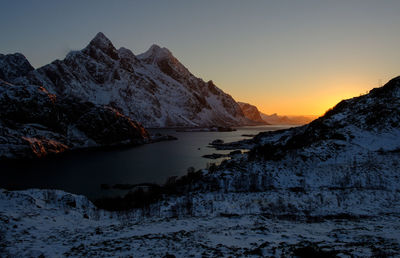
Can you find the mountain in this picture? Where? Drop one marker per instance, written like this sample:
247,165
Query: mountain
35,123
153,88
276,119
337,177
342,156
252,113
13,66
367,123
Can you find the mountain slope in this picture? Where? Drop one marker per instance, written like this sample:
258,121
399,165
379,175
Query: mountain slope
251,112
36,123
345,162
153,88
13,66
329,188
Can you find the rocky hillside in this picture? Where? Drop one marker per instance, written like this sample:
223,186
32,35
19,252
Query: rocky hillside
251,112
326,189
346,163
353,149
14,66
35,123
367,123
153,88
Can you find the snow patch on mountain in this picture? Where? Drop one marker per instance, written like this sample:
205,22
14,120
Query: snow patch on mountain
35,123
153,88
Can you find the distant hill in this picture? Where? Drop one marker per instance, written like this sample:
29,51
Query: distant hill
276,119
251,112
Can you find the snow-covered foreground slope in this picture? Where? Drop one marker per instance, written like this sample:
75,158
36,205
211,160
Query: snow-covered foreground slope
153,88
355,147
54,223
331,187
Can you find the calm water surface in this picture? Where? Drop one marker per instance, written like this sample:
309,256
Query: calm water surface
83,173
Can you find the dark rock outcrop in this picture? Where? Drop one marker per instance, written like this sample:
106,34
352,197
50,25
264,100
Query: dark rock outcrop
251,112
35,123
13,66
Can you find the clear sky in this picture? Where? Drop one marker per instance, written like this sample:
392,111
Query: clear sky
290,57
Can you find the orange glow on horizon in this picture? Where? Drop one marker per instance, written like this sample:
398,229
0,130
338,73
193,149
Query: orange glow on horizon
309,102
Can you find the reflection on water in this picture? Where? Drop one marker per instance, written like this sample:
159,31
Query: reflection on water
83,173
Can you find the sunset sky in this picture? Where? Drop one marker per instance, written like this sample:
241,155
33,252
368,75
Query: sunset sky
286,57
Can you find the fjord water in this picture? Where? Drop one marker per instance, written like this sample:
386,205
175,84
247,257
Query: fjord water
83,173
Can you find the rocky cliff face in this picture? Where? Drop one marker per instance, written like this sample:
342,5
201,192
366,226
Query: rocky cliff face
13,66
153,88
35,123
251,112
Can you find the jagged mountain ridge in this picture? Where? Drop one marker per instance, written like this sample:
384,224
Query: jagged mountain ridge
153,88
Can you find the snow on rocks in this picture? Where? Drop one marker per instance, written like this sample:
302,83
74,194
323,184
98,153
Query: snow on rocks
35,123
54,223
153,88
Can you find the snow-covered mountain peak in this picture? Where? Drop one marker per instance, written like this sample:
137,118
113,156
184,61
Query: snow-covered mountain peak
154,88
101,42
166,62
156,53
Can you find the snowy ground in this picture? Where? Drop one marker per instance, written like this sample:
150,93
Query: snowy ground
330,188
55,223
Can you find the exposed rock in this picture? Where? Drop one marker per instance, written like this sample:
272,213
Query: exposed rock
153,88
215,156
220,155
159,138
207,129
252,113
13,66
35,123
217,142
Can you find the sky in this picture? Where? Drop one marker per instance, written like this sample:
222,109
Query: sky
285,57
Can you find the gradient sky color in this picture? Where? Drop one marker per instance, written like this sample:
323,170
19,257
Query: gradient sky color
289,57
